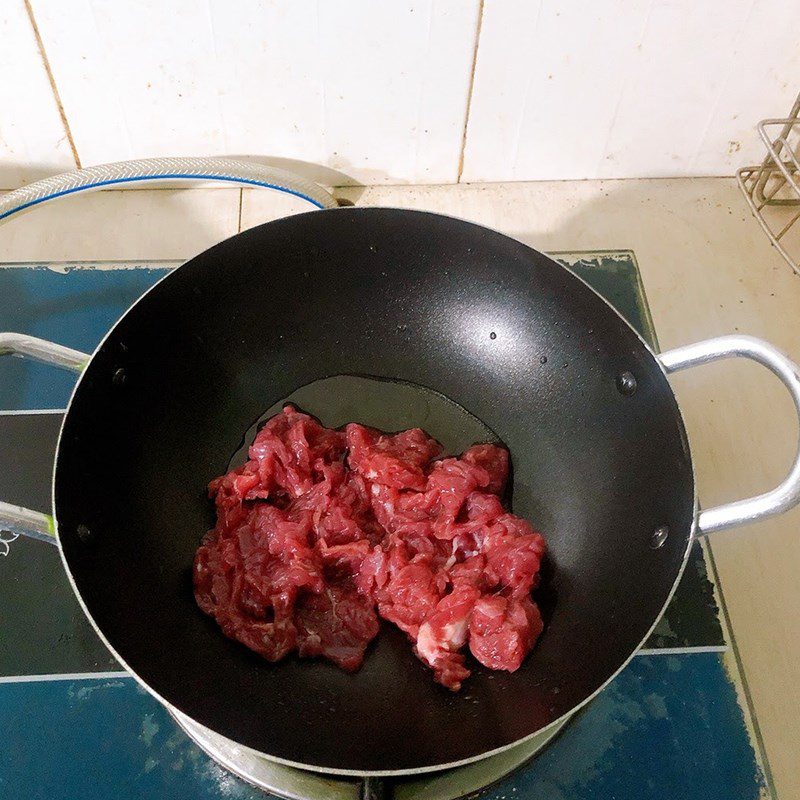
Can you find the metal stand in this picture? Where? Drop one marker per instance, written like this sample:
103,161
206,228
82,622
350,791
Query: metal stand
772,190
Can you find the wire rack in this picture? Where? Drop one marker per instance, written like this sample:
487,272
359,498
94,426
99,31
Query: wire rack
772,189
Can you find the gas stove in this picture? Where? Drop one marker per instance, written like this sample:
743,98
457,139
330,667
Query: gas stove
297,784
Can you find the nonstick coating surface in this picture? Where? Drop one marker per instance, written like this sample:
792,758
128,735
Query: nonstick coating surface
397,295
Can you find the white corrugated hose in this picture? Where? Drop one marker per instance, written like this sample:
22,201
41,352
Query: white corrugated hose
160,169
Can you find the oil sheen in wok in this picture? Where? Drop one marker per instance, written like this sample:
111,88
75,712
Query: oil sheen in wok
322,533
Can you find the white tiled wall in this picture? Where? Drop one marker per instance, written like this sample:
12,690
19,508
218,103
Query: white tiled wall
431,91
33,141
376,90
628,88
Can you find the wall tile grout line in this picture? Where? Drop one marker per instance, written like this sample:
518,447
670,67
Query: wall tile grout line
51,78
470,88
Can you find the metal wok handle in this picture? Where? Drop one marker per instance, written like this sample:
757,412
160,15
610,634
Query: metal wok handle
18,520
787,494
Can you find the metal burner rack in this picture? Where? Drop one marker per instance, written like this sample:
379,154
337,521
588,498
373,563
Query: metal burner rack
772,190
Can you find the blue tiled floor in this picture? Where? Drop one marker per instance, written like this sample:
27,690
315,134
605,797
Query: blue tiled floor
668,728
76,310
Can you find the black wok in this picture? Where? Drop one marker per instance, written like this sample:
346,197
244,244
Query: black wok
600,457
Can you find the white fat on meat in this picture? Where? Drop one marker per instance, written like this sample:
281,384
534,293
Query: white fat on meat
451,637
453,557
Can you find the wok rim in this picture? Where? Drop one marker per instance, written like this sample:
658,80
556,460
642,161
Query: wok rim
691,538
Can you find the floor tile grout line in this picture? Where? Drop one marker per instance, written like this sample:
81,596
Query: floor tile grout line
65,676
51,78
470,89
743,694
682,651
19,412
643,652
708,558
751,709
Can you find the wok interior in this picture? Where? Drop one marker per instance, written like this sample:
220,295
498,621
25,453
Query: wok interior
401,296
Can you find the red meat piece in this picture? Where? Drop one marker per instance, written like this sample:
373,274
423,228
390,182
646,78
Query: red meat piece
391,459
339,623
263,624
502,631
444,633
409,597
494,460
470,571
290,450
322,531
514,553
450,484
